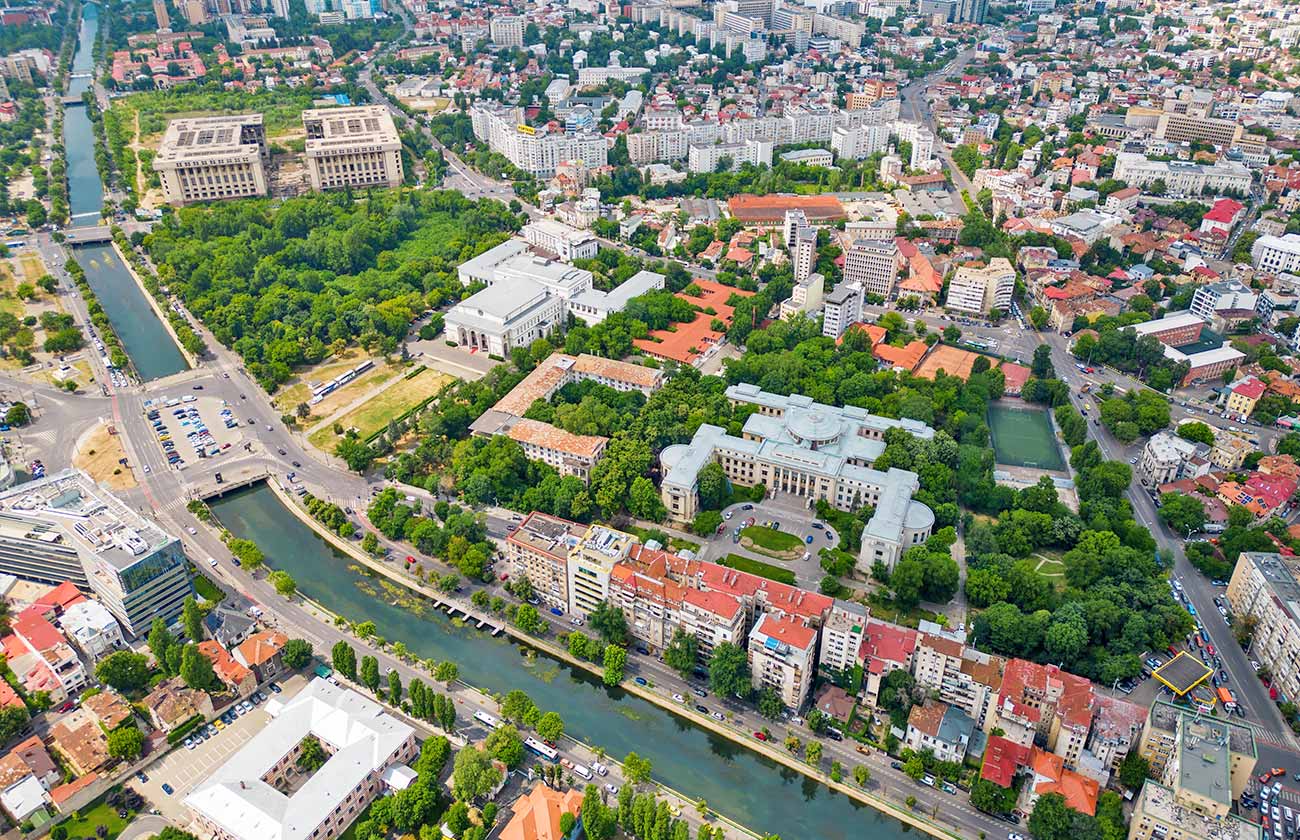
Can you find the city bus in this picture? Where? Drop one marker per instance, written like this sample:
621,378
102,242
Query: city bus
540,750
486,719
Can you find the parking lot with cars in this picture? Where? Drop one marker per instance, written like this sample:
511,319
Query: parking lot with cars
169,780
787,514
191,426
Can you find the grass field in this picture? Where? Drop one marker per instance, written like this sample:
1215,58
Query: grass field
373,414
772,539
298,390
1023,437
87,819
207,590
758,567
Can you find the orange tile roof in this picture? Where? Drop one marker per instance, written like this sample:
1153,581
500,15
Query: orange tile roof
921,277
906,358
537,813
771,208
928,718
261,647
786,630
687,341
554,438
1079,792
224,665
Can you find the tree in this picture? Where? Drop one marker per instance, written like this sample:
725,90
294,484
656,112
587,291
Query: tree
196,669
125,671
1198,432
813,752
729,670
861,775
506,746
1182,512
992,798
615,662
1041,368
1051,819
192,619
297,653
284,584
344,659
769,704
914,767
161,642
1133,770
529,620
18,414
125,742
517,706
636,769
446,672
550,726
12,721
370,673
473,775
313,755
394,687
610,622
682,652
1039,317
713,486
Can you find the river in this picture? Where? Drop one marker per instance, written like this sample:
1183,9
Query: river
145,339
735,781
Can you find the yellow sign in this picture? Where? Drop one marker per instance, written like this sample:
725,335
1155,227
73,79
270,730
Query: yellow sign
527,129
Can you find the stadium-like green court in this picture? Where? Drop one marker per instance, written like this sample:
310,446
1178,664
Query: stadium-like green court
1023,437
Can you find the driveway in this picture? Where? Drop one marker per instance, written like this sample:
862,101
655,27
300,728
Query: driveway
145,825
794,518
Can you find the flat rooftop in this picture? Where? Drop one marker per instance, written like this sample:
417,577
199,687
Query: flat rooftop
207,137
71,509
1182,673
332,128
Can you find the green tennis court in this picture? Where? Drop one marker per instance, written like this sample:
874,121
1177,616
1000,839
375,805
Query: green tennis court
1023,437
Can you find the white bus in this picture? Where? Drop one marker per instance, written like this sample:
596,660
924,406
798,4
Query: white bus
486,719
540,750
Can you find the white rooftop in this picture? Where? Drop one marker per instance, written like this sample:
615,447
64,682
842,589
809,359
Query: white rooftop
358,733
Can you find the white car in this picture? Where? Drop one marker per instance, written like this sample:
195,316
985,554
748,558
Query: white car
146,469
191,530
678,698
612,788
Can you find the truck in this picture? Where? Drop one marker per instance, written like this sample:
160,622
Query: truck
1225,697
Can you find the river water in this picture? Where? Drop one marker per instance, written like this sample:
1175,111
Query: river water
145,339
736,782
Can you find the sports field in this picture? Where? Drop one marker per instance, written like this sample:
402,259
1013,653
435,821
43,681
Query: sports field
1023,437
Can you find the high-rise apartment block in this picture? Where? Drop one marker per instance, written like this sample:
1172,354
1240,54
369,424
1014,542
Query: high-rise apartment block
352,147
506,31
210,158
980,289
873,266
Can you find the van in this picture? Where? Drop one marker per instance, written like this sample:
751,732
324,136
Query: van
927,780
579,770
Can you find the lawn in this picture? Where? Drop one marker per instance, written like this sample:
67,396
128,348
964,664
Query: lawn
84,824
772,539
388,404
207,590
883,608
758,567
288,397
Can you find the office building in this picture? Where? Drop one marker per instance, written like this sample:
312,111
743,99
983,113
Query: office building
795,446
873,267
539,550
1263,588
211,158
782,657
843,308
567,243
506,30
1182,177
590,564
873,90
352,147
981,289
260,793
1202,764
1197,128
973,11
1277,254
133,568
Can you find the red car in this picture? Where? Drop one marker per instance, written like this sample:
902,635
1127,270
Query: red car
505,575
409,559
1209,649
762,736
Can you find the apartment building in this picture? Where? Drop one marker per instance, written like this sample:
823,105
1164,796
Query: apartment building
567,243
1277,254
782,657
981,289
944,730
703,158
534,150
842,309
259,791
1210,300
352,147
1264,587
793,445
212,158
801,240
41,658
136,570
1189,128
961,676
590,564
506,30
1044,701
842,636
873,266
859,142
885,648
1165,458
873,90
539,551
1202,764
806,298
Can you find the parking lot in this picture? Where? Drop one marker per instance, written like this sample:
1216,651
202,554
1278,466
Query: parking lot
787,515
182,769
189,426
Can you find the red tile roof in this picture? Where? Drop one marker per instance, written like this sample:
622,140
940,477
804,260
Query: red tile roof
1251,389
1003,758
261,647
888,642
62,596
1224,210
791,632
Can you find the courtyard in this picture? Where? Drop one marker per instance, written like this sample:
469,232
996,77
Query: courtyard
776,543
